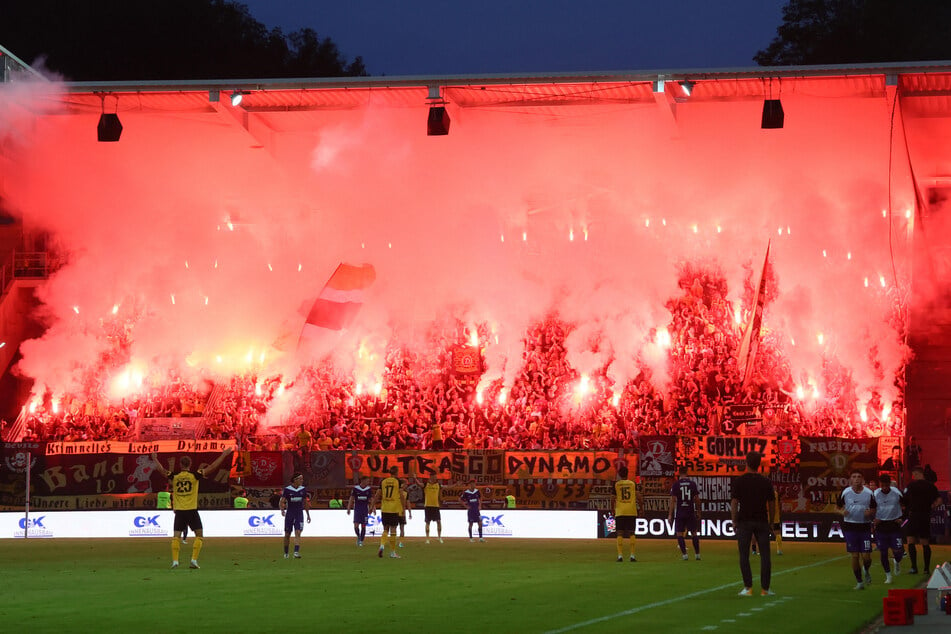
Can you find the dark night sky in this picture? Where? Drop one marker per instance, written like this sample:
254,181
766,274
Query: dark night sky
447,37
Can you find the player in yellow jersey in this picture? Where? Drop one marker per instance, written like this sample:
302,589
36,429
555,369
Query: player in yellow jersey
184,483
389,500
625,511
407,508
431,504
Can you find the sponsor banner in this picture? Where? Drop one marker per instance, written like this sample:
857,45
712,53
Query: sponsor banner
158,446
794,528
825,465
939,516
501,523
577,465
658,456
724,455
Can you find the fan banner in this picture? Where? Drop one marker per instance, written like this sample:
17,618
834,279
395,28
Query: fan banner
724,455
825,465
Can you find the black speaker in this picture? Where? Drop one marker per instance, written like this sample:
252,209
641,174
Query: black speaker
772,114
438,123
110,128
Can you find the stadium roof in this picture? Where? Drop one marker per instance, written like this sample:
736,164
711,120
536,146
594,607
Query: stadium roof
538,90
274,107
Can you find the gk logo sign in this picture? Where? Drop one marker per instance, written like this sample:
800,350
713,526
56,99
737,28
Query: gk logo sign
35,522
142,522
261,520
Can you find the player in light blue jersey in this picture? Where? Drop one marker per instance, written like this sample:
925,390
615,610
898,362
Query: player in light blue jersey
887,525
294,503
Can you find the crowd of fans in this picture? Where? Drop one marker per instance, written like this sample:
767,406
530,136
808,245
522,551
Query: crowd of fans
422,403
75,418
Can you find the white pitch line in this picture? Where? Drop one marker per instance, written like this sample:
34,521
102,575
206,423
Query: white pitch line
658,604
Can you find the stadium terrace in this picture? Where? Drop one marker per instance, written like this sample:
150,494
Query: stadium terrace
581,261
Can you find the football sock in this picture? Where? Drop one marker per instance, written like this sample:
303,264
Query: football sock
285,548
913,555
470,531
926,549
858,574
363,531
427,530
356,530
393,542
632,545
696,545
779,540
620,546
176,547
682,544
885,565
296,548
480,531
196,548
867,565
383,537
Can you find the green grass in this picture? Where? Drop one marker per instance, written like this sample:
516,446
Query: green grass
245,585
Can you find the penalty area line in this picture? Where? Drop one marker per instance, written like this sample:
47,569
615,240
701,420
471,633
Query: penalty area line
658,604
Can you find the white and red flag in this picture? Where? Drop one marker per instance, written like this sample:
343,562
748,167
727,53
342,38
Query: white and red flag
749,345
340,299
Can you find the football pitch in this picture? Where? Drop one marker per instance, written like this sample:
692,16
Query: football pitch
502,585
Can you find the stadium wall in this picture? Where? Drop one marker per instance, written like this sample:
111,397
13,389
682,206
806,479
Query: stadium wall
807,473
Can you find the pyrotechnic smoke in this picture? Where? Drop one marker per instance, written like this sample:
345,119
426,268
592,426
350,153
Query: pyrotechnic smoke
209,243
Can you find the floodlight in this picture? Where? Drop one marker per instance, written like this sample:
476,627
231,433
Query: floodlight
773,116
438,122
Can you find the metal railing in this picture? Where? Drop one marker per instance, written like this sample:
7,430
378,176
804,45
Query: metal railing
28,265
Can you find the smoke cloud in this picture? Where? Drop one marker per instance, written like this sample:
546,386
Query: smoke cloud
200,243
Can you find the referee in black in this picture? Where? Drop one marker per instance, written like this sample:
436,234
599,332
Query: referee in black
919,497
752,504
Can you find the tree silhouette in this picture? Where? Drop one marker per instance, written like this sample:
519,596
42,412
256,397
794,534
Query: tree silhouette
147,40
860,31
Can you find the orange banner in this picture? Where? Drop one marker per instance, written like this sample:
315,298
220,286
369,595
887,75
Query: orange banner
583,465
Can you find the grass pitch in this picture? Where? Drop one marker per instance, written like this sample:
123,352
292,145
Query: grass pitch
503,585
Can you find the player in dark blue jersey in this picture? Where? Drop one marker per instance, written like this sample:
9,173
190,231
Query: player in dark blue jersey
685,512
294,502
472,498
359,502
